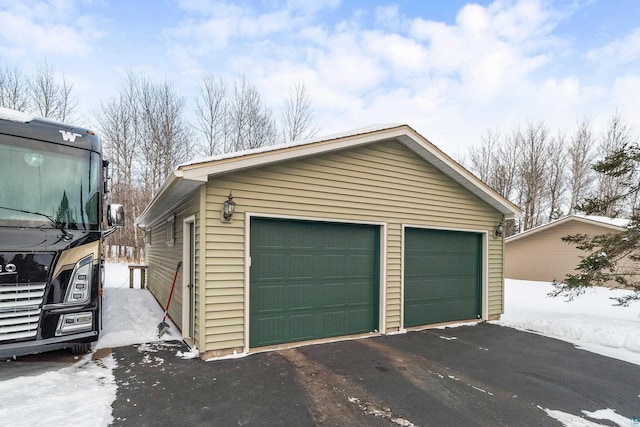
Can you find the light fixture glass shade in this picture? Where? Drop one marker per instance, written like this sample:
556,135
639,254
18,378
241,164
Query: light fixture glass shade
228,208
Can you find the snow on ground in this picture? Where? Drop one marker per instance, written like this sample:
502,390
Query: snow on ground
590,321
78,394
131,316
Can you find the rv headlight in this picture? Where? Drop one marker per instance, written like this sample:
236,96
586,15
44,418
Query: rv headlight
79,289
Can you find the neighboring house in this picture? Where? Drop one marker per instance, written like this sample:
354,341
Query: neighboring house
540,254
372,231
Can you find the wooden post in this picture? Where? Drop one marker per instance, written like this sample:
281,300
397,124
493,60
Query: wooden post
143,275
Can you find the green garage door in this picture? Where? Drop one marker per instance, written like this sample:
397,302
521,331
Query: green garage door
442,276
311,280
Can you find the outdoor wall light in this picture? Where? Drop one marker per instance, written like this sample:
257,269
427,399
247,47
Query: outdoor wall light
499,230
228,208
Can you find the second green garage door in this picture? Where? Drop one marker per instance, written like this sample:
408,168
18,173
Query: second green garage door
442,276
312,280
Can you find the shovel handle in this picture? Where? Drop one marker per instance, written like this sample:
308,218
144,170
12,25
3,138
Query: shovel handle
173,285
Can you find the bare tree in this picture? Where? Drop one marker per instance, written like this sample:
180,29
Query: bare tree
496,162
146,137
120,129
250,122
297,115
166,140
238,119
51,98
13,89
506,174
580,160
212,115
555,179
616,138
533,145
483,157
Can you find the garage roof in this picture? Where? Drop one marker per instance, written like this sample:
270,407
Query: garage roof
613,224
189,176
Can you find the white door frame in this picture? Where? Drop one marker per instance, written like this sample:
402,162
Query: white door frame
188,271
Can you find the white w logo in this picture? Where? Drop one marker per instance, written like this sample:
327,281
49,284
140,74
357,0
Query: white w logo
69,136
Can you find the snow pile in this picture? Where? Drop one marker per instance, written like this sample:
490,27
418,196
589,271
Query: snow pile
590,321
79,394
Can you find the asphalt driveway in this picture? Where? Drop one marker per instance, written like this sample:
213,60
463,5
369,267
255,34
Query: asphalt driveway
484,375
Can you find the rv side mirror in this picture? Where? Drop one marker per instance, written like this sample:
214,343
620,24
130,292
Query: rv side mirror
115,215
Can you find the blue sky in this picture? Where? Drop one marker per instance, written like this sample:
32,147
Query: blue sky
450,69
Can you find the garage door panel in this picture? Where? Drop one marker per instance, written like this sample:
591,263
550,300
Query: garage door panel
301,326
442,279
294,266
328,275
270,327
357,318
271,296
300,296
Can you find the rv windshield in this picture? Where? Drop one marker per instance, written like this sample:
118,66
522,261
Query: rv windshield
48,185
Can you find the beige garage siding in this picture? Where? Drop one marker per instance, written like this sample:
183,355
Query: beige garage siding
162,257
380,183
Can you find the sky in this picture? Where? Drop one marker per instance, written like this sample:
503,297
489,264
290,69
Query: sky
452,70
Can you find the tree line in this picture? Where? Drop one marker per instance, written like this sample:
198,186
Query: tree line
146,131
550,174
44,93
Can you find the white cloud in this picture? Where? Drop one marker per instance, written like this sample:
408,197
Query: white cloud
626,92
620,52
454,80
388,17
397,52
46,28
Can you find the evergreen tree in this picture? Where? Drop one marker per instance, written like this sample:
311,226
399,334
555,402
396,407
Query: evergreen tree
612,258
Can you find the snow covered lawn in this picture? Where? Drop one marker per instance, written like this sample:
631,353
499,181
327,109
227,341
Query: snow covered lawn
590,321
131,316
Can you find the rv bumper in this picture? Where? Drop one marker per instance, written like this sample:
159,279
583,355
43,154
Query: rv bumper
16,349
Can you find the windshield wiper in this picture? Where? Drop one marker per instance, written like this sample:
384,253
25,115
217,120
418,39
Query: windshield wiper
59,225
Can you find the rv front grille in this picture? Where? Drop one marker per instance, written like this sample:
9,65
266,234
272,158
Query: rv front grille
20,307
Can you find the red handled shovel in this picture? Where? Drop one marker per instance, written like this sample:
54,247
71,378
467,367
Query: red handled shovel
164,326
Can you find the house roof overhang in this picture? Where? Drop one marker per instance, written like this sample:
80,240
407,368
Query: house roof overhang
189,176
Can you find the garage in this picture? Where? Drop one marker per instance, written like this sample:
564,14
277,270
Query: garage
442,276
374,229
311,280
